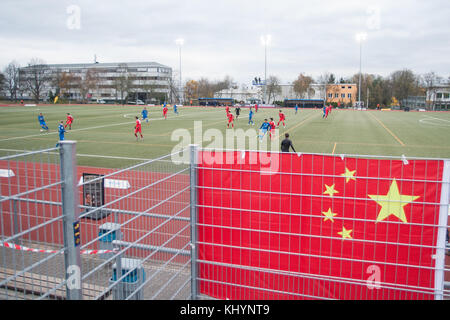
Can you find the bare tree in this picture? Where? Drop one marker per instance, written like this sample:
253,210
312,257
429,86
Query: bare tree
11,77
302,86
191,90
63,81
35,77
404,84
431,79
429,82
87,83
273,87
2,82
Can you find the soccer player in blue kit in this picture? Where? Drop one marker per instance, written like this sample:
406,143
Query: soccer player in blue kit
145,114
250,117
61,131
42,122
175,109
265,127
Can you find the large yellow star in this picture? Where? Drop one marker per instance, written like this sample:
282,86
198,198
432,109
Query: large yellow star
345,233
350,175
330,190
329,215
393,203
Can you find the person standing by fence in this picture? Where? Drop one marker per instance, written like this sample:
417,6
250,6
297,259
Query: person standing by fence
286,144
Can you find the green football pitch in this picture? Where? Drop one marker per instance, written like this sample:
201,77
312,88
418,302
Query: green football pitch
108,131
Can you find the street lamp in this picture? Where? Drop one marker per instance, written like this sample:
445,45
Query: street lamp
360,37
180,42
265,40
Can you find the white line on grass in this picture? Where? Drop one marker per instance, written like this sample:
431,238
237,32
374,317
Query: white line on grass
76,130
432,122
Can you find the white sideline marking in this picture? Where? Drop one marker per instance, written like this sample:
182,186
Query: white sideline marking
4,173
76,130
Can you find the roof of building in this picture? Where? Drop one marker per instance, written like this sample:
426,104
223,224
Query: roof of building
107,65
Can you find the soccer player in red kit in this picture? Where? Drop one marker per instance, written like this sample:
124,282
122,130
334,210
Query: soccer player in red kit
138,129
256,107
69,121
230,120
327,111
227,109
272,128
165,111
282,118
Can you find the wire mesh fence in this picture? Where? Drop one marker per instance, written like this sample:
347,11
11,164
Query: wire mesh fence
142,213
31,222
305,226
224,225
130,234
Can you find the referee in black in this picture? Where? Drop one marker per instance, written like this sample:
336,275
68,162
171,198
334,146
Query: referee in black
286,144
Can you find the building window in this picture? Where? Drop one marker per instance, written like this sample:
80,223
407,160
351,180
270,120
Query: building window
330,95
336,95
343,95
349,87
349,95
343,87
446,95
439,95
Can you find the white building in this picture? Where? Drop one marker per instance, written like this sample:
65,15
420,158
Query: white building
107,81
252,93
438,97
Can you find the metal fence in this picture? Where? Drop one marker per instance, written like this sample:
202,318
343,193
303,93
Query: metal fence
72,232
223,225
308,226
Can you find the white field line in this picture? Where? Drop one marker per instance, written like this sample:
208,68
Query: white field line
438,119
82,129
96,127
432,121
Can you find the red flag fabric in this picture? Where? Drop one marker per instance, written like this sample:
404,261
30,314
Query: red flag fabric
319,227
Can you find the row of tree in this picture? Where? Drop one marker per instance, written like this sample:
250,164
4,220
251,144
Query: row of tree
375,89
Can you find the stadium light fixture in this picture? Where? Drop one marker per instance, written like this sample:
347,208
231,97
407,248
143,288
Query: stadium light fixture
360,37
180,43
265,41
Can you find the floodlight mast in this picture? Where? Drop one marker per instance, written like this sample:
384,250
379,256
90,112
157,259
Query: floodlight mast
360,37
180,42
265,40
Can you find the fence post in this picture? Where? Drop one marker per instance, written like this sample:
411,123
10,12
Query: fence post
71,224
193,149
442,228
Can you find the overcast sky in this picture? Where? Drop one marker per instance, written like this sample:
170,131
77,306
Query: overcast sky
222,37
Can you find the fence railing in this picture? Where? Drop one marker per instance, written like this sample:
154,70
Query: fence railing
72,232
306,226
225,225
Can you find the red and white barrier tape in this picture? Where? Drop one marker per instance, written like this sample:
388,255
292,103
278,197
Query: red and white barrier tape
23,248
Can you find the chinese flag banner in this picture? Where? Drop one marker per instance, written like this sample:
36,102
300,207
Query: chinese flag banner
318,227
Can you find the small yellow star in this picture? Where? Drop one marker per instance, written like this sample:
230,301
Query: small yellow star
330,190
350,175
345,233
329,215
393,203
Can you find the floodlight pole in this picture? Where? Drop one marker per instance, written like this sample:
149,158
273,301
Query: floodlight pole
180,42
180,77
265,71
360,72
